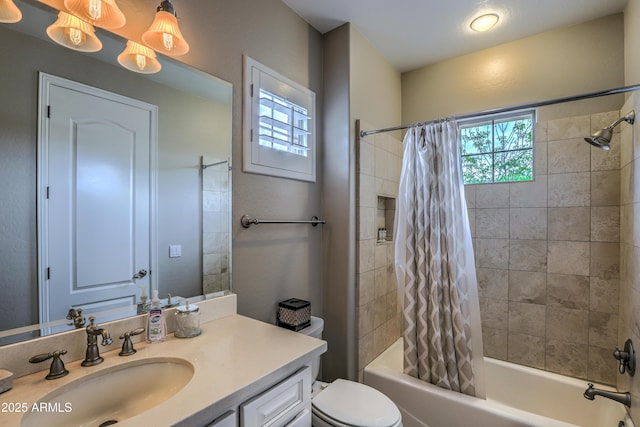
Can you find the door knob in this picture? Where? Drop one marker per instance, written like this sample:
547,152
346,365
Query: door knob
140,274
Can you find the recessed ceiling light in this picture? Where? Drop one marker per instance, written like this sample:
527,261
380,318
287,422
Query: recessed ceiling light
484,22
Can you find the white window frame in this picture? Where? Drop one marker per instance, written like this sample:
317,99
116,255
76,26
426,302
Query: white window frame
259,158
474,121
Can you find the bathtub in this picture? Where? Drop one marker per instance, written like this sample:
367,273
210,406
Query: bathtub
517,396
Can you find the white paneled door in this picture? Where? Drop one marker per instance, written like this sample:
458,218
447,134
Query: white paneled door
96,184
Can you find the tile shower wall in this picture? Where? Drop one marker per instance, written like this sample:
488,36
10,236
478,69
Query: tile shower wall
547,254
630,249
215,229
378,160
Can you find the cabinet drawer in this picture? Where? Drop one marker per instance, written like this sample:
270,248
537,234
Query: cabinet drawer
280,404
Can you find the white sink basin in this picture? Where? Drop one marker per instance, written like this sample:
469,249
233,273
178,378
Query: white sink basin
113,394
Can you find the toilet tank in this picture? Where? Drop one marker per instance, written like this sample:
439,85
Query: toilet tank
314,330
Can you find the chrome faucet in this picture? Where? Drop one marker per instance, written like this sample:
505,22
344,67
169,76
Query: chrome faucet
92,356
624,398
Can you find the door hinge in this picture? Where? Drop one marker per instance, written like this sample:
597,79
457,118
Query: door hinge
47,192
48,273
251,135
251,91
48,111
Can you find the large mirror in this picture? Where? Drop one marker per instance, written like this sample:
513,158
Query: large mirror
191,203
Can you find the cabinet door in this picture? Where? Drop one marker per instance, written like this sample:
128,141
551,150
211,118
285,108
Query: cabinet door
228,419
280,404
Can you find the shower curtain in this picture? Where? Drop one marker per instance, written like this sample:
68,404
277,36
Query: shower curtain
435,264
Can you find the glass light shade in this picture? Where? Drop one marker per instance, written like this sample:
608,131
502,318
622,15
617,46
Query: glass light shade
74,33
139,58
484,22
101,13
164,35
9,12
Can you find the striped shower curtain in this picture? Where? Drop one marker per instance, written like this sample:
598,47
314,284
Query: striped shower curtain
435,264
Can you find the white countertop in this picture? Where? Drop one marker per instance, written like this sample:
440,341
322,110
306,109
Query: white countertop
234,358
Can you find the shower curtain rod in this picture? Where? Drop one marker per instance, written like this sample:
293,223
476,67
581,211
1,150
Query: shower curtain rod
623,89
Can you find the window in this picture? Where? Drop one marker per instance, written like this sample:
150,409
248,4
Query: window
498,149
279,125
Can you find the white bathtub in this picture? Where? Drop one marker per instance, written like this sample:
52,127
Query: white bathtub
517,396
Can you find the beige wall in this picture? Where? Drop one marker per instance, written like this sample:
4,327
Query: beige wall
631,43
564,62
375,85
376,100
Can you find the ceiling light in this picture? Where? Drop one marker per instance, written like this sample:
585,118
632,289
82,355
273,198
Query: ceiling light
9,12
72,32
139,58
164,33
484,22
102,13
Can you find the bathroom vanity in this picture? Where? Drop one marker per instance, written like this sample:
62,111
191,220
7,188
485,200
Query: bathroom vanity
238,372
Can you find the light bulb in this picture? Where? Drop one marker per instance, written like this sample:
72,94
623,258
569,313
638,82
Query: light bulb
102,13
167,41
95,9
141,61
484,22
74,33
75,36
139,58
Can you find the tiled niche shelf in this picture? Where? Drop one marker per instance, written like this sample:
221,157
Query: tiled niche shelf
385,216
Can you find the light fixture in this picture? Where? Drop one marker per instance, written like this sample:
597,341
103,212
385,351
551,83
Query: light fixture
484,22
101,13
139,58
9,12
74,33
164,33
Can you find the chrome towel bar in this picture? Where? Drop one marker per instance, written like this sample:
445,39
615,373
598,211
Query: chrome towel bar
247,221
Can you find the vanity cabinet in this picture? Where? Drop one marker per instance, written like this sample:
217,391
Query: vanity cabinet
287,403
228,419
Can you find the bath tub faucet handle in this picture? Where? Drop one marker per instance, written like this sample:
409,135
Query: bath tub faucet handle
627,358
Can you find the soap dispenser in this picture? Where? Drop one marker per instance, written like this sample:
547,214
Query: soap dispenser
157,326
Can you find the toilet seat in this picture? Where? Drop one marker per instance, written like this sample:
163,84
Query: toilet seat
350,404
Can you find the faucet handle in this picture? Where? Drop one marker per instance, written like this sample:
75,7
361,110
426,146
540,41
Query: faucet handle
57,369
127,345
626,357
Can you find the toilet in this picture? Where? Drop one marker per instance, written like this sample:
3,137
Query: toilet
344,403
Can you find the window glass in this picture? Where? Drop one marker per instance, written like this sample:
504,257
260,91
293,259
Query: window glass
498,149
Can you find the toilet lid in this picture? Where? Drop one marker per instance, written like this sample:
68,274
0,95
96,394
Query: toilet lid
356,404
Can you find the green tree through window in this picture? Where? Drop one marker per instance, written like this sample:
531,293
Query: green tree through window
498,149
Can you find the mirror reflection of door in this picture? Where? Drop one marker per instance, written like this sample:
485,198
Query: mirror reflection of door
95,236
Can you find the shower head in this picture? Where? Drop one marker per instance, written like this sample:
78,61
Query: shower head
602,138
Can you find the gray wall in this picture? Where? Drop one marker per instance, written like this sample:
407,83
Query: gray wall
179,151
270,262
339,208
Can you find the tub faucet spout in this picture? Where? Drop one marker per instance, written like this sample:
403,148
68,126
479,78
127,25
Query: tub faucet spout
624,398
